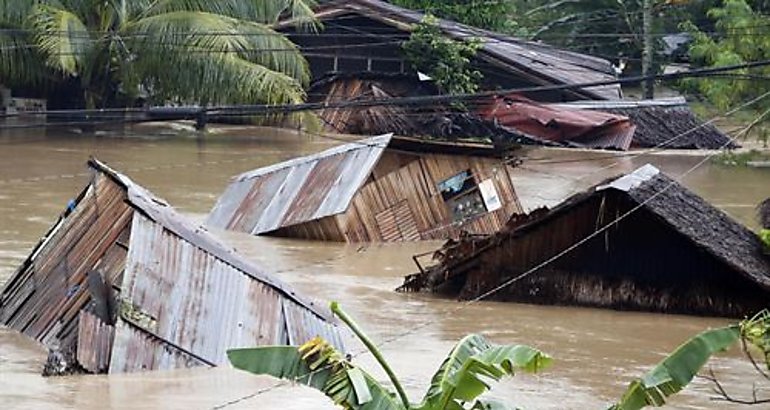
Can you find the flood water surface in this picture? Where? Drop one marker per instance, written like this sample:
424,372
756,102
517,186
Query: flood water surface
596,352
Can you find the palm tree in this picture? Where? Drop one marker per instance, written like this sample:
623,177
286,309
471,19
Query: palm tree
192,51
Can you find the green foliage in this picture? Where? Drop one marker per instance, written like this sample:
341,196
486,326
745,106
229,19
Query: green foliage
677,370
756,331
474,362
764,235
461,378
496,15
447,61
318,365
740,159
200,51
740,36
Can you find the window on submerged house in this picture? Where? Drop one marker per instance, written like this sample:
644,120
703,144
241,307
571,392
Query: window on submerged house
462,196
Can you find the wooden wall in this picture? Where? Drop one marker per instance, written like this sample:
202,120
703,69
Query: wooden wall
401,200
640,263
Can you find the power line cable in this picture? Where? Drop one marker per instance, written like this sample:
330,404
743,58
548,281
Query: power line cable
512,281
265,109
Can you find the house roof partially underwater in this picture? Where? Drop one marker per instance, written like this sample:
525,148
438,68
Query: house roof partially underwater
622,124
709,229
122,283
661,122
546,64
315,186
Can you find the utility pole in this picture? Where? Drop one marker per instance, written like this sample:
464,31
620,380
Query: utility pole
647,50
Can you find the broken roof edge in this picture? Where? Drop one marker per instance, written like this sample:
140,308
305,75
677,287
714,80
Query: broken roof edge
621,104
380,141
161,212
404,19
631,180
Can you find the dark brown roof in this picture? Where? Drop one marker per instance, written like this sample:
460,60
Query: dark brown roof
548,64
705,225
666,122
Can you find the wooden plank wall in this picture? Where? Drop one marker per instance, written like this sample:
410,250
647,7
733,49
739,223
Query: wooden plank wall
411,195
45,296
324,229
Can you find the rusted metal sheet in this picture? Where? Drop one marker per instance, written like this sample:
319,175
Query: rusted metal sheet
181,297
297,190
376,189
666,122
594,129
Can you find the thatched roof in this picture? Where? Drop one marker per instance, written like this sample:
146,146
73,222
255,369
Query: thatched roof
724,272
763,213
684,211
666,121
705,225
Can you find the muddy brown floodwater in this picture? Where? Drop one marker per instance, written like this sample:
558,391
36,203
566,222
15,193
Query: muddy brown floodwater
597,352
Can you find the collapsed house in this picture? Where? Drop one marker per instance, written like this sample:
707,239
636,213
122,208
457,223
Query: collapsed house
358,57
663,122
618,125
656,246
123,283
362,36
382,188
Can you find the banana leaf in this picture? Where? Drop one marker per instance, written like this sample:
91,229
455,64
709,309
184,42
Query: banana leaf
677,370
318,365
471,365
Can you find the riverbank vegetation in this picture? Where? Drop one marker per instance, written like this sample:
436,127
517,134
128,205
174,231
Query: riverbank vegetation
471,366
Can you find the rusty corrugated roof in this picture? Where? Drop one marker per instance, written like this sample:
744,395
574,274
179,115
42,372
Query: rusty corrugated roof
183,297
298,190
549,64
560,123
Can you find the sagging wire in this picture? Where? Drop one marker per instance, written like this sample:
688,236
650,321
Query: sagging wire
266,109
507,283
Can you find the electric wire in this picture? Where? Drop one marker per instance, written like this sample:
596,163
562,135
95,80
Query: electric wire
512,281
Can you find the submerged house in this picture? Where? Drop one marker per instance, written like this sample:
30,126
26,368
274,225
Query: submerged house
123,283
358,56
382,188
365,36
662,122
654,246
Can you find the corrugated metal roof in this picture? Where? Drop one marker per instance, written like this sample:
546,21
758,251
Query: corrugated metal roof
550,64
557,123
183,298
298,190
203,297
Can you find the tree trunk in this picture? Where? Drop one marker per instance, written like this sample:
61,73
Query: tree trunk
648,83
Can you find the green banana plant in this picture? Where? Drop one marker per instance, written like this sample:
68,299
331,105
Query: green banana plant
460,380
474,362
678,369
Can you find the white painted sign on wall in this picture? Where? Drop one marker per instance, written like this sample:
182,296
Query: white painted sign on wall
489,194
